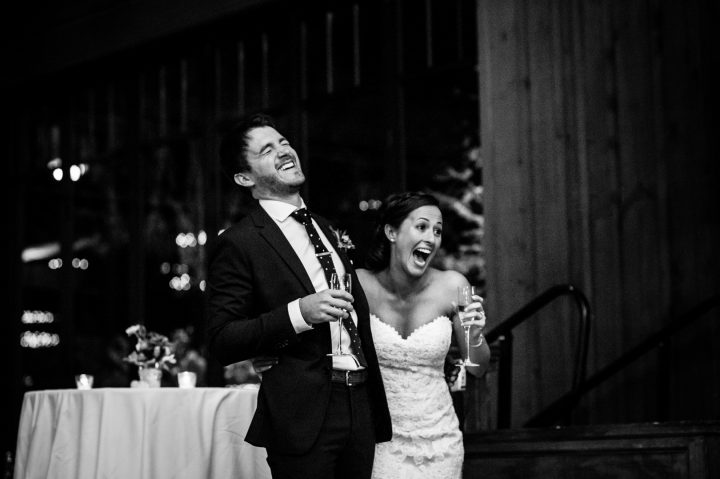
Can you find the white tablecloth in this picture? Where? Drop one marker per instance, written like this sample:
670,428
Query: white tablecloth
138,433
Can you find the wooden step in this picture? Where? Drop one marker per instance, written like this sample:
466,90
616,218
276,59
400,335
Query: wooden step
659,450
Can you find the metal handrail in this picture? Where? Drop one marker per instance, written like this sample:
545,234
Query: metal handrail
571,399
503,334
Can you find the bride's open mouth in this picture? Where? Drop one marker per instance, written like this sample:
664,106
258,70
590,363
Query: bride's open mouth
421,255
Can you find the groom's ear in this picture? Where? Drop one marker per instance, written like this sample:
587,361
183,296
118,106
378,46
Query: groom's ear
243,179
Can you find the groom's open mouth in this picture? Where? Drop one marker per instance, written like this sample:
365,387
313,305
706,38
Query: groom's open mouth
421,255
286,165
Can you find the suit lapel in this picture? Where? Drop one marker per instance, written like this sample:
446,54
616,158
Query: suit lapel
271,233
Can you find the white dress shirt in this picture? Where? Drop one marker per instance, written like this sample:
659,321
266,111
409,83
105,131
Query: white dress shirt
298,238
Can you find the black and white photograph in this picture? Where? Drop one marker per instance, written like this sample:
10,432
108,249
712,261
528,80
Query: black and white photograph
360,239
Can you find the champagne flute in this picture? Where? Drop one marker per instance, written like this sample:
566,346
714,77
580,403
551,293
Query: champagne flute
465,298
343,282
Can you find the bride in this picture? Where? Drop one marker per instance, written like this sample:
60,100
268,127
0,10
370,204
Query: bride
413,319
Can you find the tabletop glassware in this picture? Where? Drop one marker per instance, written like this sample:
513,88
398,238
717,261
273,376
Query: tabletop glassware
343,282
465,299
84,381
187,379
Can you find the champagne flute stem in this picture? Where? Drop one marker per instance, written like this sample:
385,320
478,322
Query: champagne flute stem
467,344
340,348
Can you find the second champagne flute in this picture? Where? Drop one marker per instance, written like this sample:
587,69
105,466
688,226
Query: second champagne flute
465,298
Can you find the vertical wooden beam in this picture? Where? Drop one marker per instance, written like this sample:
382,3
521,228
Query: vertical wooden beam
112,119
241,87
300,92
184,95
137,115
217,82
553,343
68,152
395,70
505,147
574,73
428,34
459,32
329,67
90,147
17,123
690,154
162,101
265,69
600,104
302,96
303,59
641,237
356,44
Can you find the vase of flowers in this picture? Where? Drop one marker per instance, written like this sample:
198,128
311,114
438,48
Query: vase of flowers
153,352
150,376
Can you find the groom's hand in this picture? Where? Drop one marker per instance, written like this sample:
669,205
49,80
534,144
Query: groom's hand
263,363
326,306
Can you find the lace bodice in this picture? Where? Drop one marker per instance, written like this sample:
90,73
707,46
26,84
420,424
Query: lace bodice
425,427
416,360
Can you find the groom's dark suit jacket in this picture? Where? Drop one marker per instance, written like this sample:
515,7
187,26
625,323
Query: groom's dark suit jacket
254,273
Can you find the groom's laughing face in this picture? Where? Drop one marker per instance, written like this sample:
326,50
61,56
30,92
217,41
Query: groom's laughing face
275,170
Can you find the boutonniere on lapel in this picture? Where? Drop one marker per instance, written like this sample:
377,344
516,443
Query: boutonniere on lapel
342,240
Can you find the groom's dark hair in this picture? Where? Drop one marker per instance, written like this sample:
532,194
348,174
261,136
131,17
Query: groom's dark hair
234,143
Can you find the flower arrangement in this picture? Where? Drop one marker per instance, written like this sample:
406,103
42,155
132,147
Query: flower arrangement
342,239
152,350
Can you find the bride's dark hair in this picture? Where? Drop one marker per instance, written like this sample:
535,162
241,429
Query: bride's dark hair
393,212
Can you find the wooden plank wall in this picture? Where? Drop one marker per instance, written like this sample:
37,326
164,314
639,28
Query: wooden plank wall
596,133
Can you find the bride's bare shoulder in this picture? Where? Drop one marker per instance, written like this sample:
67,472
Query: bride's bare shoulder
363,274
449,278
445,284
367,278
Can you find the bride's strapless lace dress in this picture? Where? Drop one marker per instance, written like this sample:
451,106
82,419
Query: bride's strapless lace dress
427,442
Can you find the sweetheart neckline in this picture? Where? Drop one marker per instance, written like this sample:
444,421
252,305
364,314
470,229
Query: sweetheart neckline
442,316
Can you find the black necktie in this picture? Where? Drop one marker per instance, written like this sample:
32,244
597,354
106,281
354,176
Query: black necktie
325,259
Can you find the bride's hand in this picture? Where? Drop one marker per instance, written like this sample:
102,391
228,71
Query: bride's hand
475,312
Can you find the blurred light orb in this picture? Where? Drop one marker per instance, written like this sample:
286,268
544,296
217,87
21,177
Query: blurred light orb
75,172
39,339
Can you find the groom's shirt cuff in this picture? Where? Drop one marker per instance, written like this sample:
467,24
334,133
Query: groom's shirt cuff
296,317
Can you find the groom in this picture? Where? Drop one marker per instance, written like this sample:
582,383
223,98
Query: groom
318,415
